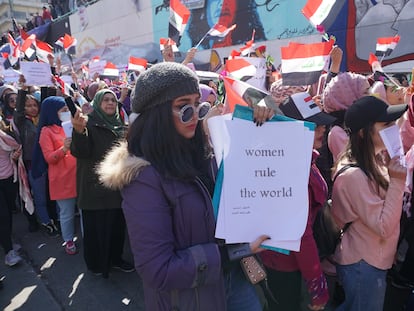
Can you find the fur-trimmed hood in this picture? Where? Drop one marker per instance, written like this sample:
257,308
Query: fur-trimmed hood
119,168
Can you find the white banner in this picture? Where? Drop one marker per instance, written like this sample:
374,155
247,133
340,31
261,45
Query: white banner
265,187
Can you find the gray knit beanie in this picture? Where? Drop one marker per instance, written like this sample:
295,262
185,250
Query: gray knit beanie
161,83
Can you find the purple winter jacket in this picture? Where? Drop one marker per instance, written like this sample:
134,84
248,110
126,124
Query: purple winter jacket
171,228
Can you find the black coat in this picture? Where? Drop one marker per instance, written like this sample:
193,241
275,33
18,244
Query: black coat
89,148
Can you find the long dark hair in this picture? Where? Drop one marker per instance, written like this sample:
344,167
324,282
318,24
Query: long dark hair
360,149
153,137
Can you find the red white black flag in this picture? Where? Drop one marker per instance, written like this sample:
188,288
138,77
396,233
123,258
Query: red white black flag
302,64
322,13
179,15
385,46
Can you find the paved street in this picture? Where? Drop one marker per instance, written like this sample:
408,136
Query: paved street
51,280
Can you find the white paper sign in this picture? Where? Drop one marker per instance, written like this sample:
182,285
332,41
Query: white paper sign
96,67
11,75
259,80
219,136
392,141
67,79
67,128
265,187
36,73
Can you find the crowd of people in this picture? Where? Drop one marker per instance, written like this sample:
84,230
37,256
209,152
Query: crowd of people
142,163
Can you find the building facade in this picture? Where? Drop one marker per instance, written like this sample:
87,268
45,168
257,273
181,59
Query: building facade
20,10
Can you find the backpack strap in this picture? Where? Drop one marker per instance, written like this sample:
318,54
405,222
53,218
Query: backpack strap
343,169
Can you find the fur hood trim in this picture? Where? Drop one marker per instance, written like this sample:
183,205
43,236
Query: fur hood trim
119,168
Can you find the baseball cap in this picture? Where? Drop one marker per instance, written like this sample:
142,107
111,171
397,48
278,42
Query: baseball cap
301,106
370,109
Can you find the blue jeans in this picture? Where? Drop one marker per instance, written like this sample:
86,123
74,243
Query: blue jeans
364,287
40,196
67,218
240,294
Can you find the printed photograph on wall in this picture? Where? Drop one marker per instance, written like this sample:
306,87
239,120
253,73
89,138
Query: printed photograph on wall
270,19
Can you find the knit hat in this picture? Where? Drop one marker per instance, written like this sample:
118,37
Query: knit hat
7,87
370,109
161,83
281,92
343,90
205,91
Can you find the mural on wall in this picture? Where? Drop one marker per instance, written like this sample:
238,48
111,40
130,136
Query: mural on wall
369,20
271,19
356,28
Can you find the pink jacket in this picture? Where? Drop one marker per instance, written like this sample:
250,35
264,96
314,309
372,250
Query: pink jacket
337,141
61,166
375,218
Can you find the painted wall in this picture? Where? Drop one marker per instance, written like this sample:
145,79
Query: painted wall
144,22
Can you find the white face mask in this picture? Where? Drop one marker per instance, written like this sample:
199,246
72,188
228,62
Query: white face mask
64,116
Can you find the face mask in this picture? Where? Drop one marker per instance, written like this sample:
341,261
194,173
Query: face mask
64,116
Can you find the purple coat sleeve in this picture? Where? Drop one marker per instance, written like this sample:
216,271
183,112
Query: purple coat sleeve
155,240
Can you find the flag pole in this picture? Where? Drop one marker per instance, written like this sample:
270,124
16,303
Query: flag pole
202,39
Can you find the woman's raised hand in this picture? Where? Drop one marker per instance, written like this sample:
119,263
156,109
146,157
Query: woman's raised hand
395,169
79,121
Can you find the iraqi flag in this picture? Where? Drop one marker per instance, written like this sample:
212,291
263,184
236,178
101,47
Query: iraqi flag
322,13
242,93
110,70
66,42
29,47
43,50
168,41
385,46
220,31
12,57
302,64
240,69
137,64
179,15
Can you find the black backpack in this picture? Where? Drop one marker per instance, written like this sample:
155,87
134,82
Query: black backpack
326,232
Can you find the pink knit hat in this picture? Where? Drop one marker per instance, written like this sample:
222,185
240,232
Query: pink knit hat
343,90
280,92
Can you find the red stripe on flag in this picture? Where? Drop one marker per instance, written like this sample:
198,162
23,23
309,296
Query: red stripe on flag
310,7
308,99
181,10
388,40
306,50
372,59
232,97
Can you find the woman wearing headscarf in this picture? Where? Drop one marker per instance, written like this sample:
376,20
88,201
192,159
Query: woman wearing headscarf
102,218
61,164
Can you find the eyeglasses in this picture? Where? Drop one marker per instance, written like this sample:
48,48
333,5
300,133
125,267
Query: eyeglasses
186,113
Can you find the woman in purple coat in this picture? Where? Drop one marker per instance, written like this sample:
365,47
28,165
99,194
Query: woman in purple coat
166,176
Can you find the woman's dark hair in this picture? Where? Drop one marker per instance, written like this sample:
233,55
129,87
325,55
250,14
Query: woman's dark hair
153,136
29,96
360,149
